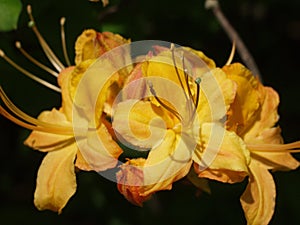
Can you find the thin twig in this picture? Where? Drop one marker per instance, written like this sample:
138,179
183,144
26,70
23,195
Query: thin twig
234,36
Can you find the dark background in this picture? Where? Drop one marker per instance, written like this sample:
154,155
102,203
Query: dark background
270,29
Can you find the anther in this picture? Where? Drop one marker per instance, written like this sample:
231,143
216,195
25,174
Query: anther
47,50
198,80
175,113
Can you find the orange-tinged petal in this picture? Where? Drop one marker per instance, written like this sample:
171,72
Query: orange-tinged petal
99,150
258,133
130,180
244,110
56,181
91,44
81,163
140,178
258,200
228,157
47,141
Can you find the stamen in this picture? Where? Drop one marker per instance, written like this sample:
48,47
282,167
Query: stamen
47,50
197,81
175,113
293,147
231,54
33,60
57,145
177,72
28,74
30,122
186,77
63,40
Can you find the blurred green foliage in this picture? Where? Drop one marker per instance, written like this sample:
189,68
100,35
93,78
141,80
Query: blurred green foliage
271,30
9,14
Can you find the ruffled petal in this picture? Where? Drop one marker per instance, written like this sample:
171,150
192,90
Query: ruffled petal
56,181
244,111
259,132
258,200
91,44
221,155
130,180
139,178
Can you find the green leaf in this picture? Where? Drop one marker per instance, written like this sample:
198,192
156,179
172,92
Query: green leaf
9,14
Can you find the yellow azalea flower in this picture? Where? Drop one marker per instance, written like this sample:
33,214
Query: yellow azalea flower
53,130
253,116
177,129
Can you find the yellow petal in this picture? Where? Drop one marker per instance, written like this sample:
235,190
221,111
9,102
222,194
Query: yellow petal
99,150
244,110
223,153
63,82
276,161
47,141
167,163
140,123
56,181
217,93
208,62
258,200
267,119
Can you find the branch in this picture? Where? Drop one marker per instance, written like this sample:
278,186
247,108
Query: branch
233,35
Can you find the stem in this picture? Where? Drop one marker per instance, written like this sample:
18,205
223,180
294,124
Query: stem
234,36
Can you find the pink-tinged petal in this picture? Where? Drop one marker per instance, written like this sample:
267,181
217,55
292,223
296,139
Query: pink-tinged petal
258,200
99,150
56,181
130,180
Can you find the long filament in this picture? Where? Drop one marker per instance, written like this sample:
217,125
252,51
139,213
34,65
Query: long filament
63,40
30,122
28,74
47,50
275,148
231,54
34,61
175,113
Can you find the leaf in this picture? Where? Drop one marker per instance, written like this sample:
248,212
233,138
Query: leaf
9,14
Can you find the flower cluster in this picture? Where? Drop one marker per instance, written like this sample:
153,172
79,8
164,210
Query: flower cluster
181,118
